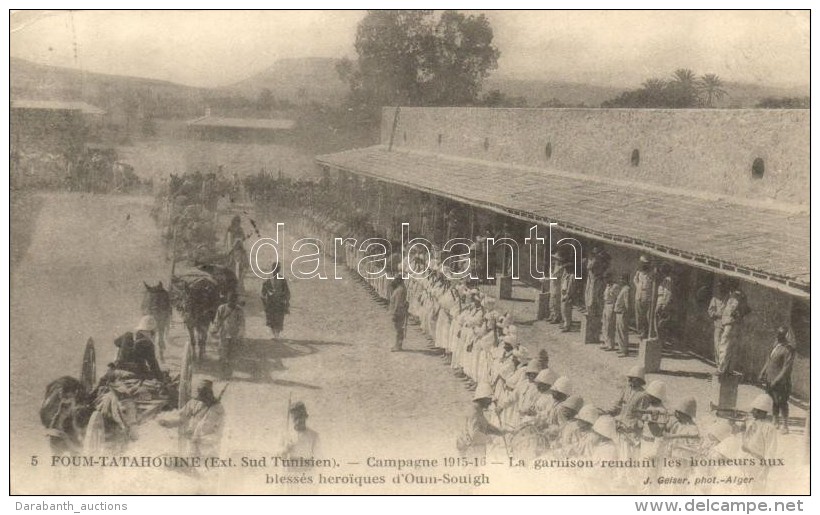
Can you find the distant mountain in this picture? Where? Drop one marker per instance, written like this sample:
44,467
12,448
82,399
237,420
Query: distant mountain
114,93
297,80
300,81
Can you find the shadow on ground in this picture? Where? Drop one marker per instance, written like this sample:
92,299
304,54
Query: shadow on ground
257,359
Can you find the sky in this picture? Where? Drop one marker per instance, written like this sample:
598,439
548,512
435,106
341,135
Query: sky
609,48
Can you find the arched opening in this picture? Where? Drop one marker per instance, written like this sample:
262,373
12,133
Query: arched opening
439,139
636,157
486,143
548,150
758,168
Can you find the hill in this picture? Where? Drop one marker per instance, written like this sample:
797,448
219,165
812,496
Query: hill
312,79
114,93
299,81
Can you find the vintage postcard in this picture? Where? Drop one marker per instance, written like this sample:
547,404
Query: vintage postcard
409,252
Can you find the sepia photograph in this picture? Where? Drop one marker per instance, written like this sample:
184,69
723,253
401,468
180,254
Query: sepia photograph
408,252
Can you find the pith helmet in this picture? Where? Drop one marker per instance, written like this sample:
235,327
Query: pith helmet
298,408
763,402
657,389
545,376
588,413
509,338
562,385
147,323
688,406
574,403
637,372
533,367
483,391
720,429
605,426
522,354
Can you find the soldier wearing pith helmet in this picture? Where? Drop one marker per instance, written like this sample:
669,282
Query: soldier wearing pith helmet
478,432
682,434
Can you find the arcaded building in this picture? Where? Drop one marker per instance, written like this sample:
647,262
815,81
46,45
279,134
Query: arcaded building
717,194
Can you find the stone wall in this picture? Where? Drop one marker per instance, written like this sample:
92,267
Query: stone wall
704,150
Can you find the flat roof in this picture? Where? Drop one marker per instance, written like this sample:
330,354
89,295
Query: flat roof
761,244
243,123
57,105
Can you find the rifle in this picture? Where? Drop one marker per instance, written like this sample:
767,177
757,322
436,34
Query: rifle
655,416
736,415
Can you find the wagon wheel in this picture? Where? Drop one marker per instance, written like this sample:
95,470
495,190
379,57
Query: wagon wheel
186,373
88,373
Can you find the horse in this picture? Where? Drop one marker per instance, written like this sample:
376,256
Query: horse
65,412
197,301
157,303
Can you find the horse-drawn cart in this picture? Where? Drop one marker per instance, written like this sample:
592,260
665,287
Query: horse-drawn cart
89,416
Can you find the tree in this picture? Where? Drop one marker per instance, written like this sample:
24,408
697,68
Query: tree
266,100
495,98
785,103
712,87
464,56
682,91
414,58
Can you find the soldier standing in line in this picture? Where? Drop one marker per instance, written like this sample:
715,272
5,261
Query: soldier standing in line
568,285
621,310
556,276
663,304
597,264
715,312
398,311
644,282
776,376
608,314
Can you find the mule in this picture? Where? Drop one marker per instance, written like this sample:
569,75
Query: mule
197,301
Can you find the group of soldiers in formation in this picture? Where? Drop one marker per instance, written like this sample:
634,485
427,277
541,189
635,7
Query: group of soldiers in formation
522,402
523,407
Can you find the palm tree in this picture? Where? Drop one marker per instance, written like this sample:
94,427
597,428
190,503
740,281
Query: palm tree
684,76
653,91
683,90
711,85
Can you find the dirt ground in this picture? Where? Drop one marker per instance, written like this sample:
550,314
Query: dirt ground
81,276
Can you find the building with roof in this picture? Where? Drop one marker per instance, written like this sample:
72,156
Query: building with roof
721,195
260,130
53,126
